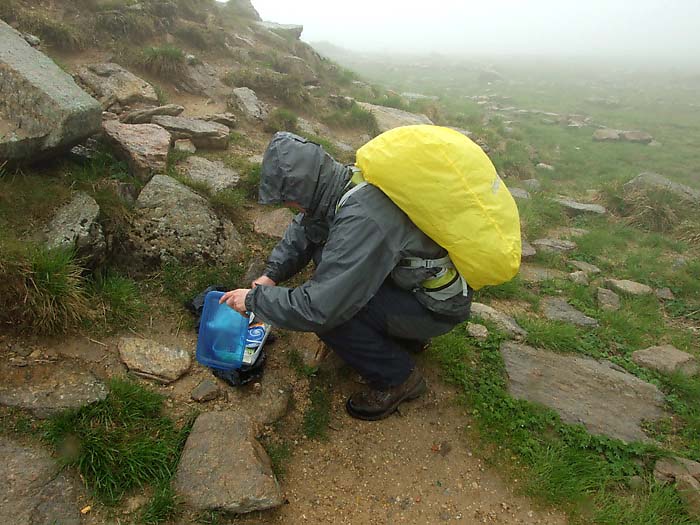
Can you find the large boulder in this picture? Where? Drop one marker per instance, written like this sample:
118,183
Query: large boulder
606,135
115,87
298,68
145,147
272,222
75,226
171,222
42,110
604,398
243,8
223,467
291,31
34,491
655,182
640,137
201,79
390,118
246,101
667,359
203,134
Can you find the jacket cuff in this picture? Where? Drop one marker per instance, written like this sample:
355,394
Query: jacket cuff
250,300
274,274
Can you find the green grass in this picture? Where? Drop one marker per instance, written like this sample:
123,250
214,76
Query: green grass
297,363
166,62
318,415
279,453
183,282
354,118
57,34
120,444
281,119
122,300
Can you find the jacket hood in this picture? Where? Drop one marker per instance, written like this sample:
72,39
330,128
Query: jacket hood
295,169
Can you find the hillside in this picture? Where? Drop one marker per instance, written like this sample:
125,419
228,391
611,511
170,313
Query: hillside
129,164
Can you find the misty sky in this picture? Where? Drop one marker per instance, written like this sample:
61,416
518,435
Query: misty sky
613,28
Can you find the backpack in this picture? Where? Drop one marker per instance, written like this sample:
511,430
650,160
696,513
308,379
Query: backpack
449,188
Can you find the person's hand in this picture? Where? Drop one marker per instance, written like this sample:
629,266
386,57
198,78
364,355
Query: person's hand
236,299
263,280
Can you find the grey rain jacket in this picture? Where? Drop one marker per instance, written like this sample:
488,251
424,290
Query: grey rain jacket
355,248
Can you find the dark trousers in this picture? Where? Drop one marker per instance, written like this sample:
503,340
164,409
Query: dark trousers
369,342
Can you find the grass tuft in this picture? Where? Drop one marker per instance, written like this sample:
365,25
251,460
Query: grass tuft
166,61
318,414
120,444
281,120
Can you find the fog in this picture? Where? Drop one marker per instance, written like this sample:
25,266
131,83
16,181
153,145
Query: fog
643,30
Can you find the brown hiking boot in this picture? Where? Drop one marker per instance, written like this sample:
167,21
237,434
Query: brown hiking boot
374,404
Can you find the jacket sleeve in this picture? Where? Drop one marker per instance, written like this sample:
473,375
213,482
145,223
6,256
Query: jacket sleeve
291,254
355,262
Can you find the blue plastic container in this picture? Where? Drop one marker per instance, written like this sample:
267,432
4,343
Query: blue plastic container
222,335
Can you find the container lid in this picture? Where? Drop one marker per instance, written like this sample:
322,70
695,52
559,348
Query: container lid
222,335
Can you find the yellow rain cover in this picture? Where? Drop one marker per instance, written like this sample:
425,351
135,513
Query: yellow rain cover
450,189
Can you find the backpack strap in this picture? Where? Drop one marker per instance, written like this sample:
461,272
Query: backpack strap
419,262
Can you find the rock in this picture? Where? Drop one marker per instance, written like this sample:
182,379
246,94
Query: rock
76,226
532,185
201,79
310,348
640,137
584,267
574,208
34,491
185,145
46,389
464,132
224,468
628,287
556,309
85,152
606,400
171,222
113,85
246,101
203,134
292,31
665,294
606,135
42,110
297,68
255,269
227,119
144,116
243,8
567,233
668,470
554,245
213,174
608,300
689,490
636,483
538,274
503,321
667,359
527,250
32,40
519,193
579,278
390,118
153,360
655,182
544,167
273,223
207,390
477,331
266,403
144,147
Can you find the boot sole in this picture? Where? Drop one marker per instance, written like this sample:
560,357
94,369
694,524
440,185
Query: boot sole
418,391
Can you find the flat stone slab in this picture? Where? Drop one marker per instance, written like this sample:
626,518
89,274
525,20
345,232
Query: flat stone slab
144,116
538,274
47,388
640,137
206,390
223,467
504,321
556,309
42,109
577,208
390,118
628,287
554,245
667,359
115,86
202,133
527,250
606,135
213,174
599,395
608,300
153,360
477,331
584,267
144,147
668,470
273,223
33,491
